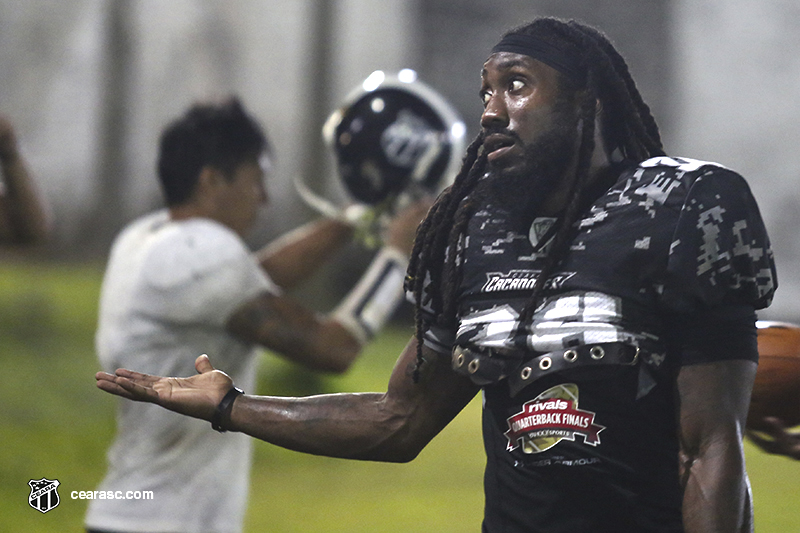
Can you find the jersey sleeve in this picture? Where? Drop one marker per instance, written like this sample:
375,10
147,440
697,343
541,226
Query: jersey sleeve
720,252
716,334
202,278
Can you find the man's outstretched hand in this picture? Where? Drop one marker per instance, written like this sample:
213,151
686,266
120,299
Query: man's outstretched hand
195,396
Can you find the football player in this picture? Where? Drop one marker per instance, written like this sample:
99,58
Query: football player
601,294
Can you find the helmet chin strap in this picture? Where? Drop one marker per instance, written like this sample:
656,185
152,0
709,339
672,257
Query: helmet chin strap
367,220
320,204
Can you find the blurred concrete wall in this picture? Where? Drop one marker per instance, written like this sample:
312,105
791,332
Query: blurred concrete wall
458,36
64,87
90,84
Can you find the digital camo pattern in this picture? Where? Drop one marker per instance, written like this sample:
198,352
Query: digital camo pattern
672,235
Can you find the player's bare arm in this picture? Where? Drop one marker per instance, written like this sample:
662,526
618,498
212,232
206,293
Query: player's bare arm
714,399
329,343
283,325
394,426
297,255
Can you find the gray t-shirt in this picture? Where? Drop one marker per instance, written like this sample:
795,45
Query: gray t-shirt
168,291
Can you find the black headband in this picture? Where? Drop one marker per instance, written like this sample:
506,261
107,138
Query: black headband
563,61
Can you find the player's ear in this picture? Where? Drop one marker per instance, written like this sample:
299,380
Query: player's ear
208,181
211,177
206,189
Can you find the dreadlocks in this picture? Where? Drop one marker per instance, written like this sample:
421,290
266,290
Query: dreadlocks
629,132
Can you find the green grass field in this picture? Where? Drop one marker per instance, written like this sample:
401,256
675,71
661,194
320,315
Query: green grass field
54,423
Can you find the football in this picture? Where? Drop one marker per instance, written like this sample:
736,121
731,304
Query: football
776,391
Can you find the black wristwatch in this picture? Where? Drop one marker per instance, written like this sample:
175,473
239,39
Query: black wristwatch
222,414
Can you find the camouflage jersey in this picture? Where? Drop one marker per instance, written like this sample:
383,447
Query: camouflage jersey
673,252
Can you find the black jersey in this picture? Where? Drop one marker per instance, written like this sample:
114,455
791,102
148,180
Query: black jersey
595,448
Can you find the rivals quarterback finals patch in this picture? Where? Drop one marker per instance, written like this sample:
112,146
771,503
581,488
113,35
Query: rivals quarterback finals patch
549,418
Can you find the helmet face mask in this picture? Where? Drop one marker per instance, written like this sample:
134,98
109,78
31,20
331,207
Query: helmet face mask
395,138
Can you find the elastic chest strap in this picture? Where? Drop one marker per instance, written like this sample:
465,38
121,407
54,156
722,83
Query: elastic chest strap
485,368
613,353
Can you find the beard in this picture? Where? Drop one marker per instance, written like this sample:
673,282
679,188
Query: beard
520,190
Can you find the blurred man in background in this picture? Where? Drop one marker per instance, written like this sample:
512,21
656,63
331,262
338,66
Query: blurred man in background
23,215
181,282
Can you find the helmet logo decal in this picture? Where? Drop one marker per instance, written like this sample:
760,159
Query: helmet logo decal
406,139
540,229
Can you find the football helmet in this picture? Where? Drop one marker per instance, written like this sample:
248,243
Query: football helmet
395,136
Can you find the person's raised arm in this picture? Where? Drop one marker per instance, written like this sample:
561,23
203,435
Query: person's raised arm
295,256
331,343
393,426
299,334
714,398
298,254
23,215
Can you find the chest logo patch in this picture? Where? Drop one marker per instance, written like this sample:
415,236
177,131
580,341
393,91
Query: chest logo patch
540,229
521,280
549,418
